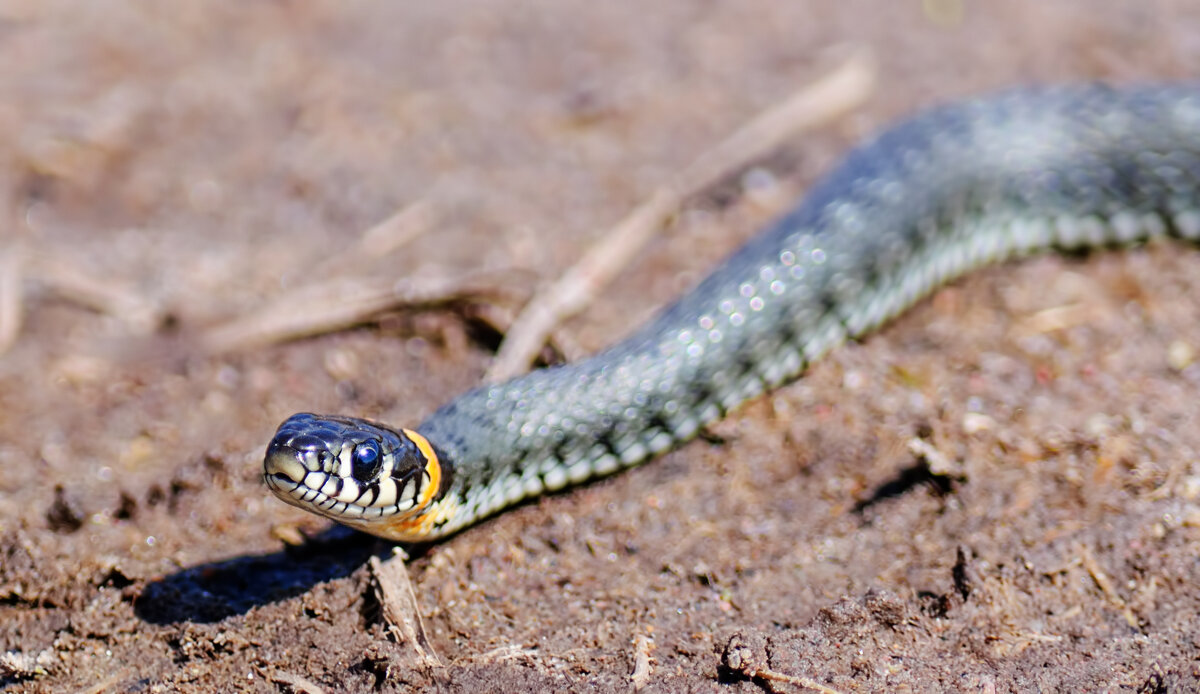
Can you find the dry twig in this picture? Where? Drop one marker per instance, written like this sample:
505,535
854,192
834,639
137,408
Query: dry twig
296,682
330,306
640,676
745,656
500,318
10,297
398,230
1102,581
800,681
398,604
818,103
72,283
503,653
319,308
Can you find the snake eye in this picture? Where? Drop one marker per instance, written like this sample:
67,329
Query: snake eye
365,461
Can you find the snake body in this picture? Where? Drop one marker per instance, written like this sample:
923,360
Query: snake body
947,191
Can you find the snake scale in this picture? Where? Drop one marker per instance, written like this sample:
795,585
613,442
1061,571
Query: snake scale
945,192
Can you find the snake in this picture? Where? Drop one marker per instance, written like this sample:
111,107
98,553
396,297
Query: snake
944,192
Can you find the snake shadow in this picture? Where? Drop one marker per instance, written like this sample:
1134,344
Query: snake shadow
211,592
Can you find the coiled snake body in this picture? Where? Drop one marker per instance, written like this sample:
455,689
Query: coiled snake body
948,191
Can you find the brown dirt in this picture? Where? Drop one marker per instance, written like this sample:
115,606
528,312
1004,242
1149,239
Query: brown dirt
203,156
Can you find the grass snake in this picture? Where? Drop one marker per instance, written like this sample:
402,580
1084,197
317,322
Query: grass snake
947,191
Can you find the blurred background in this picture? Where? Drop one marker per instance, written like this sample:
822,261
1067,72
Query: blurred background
169,168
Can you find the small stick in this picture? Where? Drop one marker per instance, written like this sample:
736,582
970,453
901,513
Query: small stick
820,102
315,309
502,653
398,603
1102,581
322,308
771,676
1057,318
500,318
10,296
745,655
72,284
296,682
640,676
404,226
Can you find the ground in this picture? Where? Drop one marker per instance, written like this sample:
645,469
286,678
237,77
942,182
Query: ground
999,491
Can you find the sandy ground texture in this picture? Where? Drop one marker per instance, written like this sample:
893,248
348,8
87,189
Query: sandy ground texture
998,492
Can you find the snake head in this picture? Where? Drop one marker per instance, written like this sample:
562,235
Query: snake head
354,471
